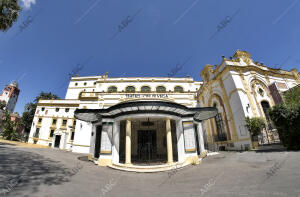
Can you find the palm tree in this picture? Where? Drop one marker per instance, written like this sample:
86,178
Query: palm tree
9,12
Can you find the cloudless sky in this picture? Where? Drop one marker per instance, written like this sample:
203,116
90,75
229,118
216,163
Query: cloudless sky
160,34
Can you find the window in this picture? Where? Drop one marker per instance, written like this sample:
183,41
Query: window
261,92
145,89
64,123
130,89
54,121
37,133
160,89
84,83
112,89
72,135
57,109
95,83
40,120
178,89
43,108
67,109
74,123
51,133
76,84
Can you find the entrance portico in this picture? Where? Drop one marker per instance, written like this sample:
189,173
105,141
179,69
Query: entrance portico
146,132
150,139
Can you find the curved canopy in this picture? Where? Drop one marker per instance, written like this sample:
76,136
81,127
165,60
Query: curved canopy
139,107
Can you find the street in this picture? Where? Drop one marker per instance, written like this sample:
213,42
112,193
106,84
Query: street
50,172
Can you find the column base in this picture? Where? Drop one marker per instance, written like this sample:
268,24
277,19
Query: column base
192,160
203,154
104,162
90,157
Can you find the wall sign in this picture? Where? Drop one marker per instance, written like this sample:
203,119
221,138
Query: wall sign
146,96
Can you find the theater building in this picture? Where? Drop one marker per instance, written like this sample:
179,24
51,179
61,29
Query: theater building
129,121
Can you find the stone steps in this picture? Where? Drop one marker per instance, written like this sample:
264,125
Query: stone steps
154,168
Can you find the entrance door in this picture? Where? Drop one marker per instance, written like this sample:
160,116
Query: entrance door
146,145
98,141
57,141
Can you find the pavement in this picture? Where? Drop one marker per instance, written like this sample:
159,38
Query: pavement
31,172
22,144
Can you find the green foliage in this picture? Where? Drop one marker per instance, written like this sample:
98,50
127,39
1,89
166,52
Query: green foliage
45,96
10,129
2,105
292,97
287,121
28,116
255,125
9,12
286,118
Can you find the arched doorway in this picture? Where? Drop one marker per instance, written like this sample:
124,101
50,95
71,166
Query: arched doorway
265,106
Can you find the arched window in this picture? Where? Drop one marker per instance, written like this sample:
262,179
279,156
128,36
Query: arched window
130,89
145,89
160,89
112,89
178,89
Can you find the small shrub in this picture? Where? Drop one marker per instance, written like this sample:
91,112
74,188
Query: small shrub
255,125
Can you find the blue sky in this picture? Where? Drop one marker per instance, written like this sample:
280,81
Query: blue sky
59,35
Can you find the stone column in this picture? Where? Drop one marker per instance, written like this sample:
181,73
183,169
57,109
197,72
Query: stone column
128,143
169,141
201,139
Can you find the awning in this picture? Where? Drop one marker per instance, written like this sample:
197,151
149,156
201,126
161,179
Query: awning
143,107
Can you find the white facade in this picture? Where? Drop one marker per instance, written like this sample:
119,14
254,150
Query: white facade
237,88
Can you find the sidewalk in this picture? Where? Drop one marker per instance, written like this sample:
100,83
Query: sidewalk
270,148
22,144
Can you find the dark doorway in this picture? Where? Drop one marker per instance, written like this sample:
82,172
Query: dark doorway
174,141
57,141
122,147
146,145
98,141
265,105
197,139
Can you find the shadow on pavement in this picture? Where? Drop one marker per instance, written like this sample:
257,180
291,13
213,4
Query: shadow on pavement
24,171
3,143
83,158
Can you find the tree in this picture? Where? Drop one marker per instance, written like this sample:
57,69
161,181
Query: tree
10,129
292,97
286,118
45,96
29,111
255,125
2,105
9,12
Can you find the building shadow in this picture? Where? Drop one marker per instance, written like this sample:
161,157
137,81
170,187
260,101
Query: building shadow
21,173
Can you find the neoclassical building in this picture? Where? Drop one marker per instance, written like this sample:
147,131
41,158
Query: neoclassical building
163,121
